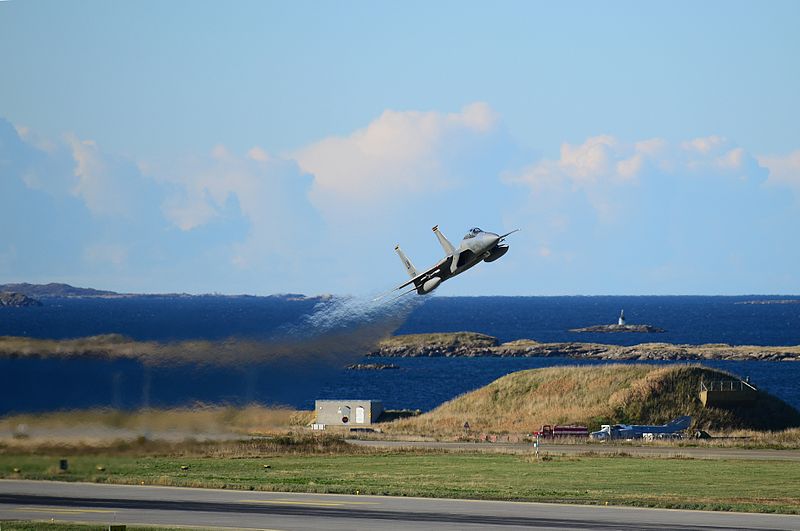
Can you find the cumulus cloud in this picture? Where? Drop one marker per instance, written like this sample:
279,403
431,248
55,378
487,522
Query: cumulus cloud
400,154
109,185
270,193
602,165
783,170
604,160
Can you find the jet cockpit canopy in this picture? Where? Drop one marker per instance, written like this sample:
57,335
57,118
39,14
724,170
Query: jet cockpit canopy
472,233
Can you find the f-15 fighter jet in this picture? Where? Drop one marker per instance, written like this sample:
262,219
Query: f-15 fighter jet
477,246
628,431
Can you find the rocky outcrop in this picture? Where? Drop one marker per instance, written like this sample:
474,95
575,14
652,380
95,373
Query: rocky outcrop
17,300
464,344
372,366
416,347
613,328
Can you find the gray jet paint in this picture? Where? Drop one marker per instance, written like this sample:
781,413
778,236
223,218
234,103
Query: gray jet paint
478,245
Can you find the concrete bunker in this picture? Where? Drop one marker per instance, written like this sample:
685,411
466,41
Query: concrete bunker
721,393
347,412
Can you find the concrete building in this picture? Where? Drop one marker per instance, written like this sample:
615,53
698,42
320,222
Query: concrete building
347,412
722,393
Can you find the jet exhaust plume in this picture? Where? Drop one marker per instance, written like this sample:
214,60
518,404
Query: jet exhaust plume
286,367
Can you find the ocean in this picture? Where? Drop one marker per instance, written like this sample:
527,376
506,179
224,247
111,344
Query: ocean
29,385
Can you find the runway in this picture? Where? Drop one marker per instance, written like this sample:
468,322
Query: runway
123,504
696,452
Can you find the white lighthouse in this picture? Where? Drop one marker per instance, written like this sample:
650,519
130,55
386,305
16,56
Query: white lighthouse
621,321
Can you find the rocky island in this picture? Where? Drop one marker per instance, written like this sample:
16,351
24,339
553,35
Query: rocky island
17,300
621,326
611,328
470,344
371,366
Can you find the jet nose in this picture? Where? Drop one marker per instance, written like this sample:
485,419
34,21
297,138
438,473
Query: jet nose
490,239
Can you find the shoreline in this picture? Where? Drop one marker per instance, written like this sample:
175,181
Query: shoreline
464,344
457,344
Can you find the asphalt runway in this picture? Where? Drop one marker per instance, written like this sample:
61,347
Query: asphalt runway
147,505
696,452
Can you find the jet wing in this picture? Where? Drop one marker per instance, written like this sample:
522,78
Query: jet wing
425,275
420,278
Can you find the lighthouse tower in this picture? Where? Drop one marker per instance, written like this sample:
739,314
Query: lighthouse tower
621,321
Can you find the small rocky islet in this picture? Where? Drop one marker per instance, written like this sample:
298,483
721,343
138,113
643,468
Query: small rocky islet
620,326
614,328
372,367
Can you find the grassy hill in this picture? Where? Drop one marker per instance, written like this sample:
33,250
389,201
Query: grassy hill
521,402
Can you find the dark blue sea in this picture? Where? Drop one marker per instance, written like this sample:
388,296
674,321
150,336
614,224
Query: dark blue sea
420,383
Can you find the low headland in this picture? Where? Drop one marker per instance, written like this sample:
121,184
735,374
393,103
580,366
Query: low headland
523,401
472,344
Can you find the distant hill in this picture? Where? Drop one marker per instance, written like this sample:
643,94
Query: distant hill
54,290
523,401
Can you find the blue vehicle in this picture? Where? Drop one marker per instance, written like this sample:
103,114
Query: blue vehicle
671,429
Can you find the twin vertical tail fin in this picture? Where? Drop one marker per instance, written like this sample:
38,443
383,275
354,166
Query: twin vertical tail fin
412,271
446,245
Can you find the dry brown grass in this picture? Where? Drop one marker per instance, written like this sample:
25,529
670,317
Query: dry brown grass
521,402
288,443
99,426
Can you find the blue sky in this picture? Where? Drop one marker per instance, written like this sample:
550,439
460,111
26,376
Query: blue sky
643,148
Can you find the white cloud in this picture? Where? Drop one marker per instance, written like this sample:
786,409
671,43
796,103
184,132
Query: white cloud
400,154
256,153
603,161
704,145
783,170
271,194
108,185
600,160
732,160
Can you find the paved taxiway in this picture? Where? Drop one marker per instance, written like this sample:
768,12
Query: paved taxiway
87,502
696,452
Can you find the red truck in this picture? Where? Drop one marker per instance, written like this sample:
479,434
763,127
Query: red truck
551,432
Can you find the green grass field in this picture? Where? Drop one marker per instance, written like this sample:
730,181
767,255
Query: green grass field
734,485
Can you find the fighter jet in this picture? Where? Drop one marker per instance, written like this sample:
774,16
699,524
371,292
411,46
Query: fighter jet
478,245
634,431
